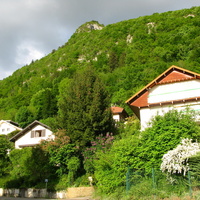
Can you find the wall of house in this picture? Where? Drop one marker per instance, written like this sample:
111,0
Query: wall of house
170,92
146,114
26,139
116,118
174,91
6,128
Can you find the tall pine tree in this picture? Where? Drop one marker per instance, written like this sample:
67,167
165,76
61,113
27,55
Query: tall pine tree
84,107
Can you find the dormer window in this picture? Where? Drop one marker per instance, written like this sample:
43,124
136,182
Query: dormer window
38,133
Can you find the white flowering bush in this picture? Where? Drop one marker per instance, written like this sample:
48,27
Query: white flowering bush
175,161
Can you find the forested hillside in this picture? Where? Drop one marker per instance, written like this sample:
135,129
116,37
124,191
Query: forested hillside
126,55
71,90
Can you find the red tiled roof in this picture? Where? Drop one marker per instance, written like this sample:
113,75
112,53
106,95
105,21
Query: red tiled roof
176,76
116,110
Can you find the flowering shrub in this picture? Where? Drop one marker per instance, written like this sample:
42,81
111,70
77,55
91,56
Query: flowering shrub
176,160
103,144
164,135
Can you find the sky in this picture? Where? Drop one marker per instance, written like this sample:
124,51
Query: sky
31,29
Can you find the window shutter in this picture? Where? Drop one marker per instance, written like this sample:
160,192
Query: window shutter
32,134
43,132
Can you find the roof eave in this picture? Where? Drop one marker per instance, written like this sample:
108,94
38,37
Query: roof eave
29,127
154,82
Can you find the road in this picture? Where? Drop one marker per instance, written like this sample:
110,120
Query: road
18,198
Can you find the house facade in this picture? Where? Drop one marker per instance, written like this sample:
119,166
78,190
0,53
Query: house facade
176,88
32,135
8,126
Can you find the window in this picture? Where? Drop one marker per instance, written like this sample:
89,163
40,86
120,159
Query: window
38,133
3,130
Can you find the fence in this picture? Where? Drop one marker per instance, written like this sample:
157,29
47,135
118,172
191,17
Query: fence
158,181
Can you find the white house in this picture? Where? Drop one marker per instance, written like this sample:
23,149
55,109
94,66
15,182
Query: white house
8,126
118,113
175,88
32,135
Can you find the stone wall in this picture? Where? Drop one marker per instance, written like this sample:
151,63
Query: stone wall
80,192
42,193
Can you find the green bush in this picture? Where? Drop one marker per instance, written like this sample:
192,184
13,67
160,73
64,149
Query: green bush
63,182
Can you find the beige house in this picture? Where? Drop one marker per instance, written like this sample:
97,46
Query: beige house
8,126
176,88
32,135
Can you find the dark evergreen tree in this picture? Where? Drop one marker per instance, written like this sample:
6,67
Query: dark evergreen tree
24,116
113,61
84,108
44,104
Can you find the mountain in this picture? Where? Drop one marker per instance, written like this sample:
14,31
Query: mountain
126,55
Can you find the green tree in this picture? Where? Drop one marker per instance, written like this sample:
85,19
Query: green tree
24,116
5,147
84,108
113,61
90,154
111,166
73,165
30,166
60,152
44,103
61,156
194,163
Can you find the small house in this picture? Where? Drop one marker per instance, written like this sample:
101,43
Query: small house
8,126
118,113
32,135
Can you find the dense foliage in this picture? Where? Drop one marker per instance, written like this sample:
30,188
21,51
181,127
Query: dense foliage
30,166
5,147
144,151
126,55
72,88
